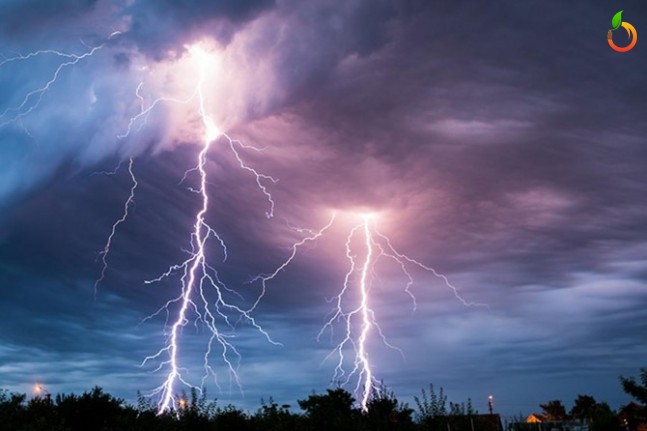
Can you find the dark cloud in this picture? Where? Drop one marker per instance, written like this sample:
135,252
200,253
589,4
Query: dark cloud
161,27
20,19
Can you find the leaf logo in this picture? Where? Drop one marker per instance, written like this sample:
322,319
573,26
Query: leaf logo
616,23
617,20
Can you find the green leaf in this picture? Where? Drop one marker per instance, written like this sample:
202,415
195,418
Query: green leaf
617,20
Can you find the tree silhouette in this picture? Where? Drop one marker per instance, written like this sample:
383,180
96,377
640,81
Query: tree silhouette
94,410
231,418
604,419
332,411
554,410
271,417
12,411
584,408
432,405
638,390
385,413
42,412
462,409
195,412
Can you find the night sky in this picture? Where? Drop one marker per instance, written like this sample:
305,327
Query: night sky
501,143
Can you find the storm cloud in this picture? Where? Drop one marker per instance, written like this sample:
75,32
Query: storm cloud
503,144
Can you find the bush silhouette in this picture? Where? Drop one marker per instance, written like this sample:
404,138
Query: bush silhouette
335,409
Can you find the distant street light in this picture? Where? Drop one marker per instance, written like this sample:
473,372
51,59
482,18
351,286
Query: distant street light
183,403
490,403
40,390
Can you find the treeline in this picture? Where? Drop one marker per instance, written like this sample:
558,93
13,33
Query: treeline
99,411
335,410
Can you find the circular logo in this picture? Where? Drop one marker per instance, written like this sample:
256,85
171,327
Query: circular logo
617,22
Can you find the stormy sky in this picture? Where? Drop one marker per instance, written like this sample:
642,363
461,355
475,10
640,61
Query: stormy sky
502,144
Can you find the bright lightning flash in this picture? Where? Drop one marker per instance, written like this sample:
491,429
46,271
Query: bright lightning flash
199,280
358,320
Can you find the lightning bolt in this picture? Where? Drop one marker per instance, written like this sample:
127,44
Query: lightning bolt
208,305
33,98
358,319
199,280
367,317
196,273
106,248
263,279
361,315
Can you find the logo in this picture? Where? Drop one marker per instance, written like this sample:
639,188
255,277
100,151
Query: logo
616,23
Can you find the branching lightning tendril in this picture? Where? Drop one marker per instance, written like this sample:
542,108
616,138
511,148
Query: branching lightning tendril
103,255
198,278
32,99
358,320
263,279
